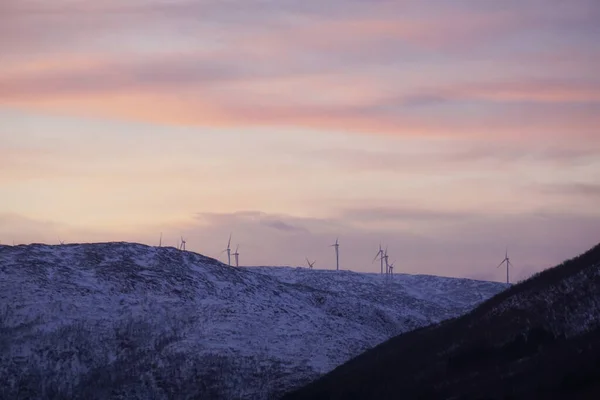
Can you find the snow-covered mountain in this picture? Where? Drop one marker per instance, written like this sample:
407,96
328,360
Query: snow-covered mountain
540,339
122,320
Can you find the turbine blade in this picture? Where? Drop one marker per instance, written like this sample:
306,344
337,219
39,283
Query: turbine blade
376,256
229,242
499,265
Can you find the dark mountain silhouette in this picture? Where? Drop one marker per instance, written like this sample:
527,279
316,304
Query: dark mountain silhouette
539,339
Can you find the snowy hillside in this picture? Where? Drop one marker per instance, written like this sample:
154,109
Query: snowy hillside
539,339
119,320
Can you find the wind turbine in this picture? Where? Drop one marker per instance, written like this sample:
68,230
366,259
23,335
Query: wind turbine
386,257
228,250
237,255
160,240
508,264
391,268
337,254
310,264
61,242
380,255
182,246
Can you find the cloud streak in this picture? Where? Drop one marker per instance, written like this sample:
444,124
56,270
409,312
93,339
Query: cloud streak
462,155
589,191
279,63
175,95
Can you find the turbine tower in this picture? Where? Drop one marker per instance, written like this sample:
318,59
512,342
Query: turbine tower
237,255
336,245
182,246
380,256
386,257
228,250
160,240
310,264
391,268
508,264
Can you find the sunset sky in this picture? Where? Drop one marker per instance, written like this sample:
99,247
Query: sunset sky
446,130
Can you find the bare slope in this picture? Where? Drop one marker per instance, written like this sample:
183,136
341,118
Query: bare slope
538,339
120,320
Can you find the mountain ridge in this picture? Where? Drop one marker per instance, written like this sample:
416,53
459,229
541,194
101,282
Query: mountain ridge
140,320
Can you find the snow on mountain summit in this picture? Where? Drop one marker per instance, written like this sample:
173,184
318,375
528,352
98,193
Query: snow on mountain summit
122,320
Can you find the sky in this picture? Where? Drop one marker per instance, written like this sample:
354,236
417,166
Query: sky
444,130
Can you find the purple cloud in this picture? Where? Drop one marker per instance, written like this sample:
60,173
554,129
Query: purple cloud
589,191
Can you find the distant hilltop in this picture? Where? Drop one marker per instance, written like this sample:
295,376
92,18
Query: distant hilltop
125,319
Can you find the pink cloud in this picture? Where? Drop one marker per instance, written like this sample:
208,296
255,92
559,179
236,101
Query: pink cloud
532,90
303,65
